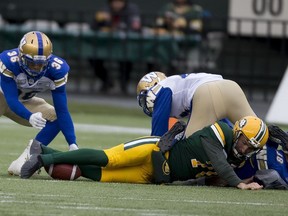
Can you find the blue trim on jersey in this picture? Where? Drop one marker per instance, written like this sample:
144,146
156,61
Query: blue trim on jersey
40,43
161,112
63,116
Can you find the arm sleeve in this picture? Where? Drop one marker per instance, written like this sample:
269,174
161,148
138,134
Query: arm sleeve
214,151
63,116
10,91
161,112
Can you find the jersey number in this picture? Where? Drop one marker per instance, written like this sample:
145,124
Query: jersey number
57,63
13,56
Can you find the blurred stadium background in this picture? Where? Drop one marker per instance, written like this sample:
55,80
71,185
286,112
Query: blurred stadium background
245,43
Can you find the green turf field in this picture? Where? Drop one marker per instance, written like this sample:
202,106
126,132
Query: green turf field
42,196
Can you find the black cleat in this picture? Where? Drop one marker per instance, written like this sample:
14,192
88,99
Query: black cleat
279,136
168,139
31,166
35,147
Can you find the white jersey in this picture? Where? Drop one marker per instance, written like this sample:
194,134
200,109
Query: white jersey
183,88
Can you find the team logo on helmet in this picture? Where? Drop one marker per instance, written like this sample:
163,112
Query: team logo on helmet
242,123
254,130
35,49
144,96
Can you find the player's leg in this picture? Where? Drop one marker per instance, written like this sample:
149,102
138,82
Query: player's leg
15,166
235,101
45,136
92,172
48,133
37,104
141,174
217,100
203,111
78,157
131,153
137,174
88,171
128,163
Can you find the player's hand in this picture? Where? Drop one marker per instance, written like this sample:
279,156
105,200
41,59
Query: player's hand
250,186
37,121
73,147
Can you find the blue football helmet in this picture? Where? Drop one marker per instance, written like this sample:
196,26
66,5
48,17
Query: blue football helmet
35,49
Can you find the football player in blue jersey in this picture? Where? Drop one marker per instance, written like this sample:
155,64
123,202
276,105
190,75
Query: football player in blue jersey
273,156
201,97
25,71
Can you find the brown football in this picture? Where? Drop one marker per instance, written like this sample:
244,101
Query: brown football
63,171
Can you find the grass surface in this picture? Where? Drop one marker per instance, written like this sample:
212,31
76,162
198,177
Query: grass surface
42,196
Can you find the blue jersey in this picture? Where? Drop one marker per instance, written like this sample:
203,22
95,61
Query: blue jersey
268,158
174,98
17,87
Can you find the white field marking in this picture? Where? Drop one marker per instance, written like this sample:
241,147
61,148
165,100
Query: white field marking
167,200
86,206
94,128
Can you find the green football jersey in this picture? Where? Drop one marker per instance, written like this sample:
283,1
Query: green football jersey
207,152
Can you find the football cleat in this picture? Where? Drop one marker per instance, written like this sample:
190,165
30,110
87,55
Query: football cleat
15,166
35,147
167,141
31,166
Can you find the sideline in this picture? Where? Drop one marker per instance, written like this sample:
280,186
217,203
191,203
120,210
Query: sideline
98,128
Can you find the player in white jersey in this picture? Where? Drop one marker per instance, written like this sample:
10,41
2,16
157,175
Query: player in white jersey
25,71
202,97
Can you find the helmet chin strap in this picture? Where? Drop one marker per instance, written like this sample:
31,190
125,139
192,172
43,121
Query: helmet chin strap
236,153
241,156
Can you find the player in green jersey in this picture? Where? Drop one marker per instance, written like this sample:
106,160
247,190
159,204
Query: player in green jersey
212,151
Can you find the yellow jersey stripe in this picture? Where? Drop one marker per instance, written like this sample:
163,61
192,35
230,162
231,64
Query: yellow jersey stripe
61,82
8,73
219,133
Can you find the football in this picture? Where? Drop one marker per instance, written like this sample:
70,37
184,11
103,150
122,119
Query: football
63,171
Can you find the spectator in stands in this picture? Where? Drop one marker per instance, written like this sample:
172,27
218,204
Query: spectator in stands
180,17
117,15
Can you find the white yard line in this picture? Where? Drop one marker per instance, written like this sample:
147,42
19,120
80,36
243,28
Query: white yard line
9,197
97,128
